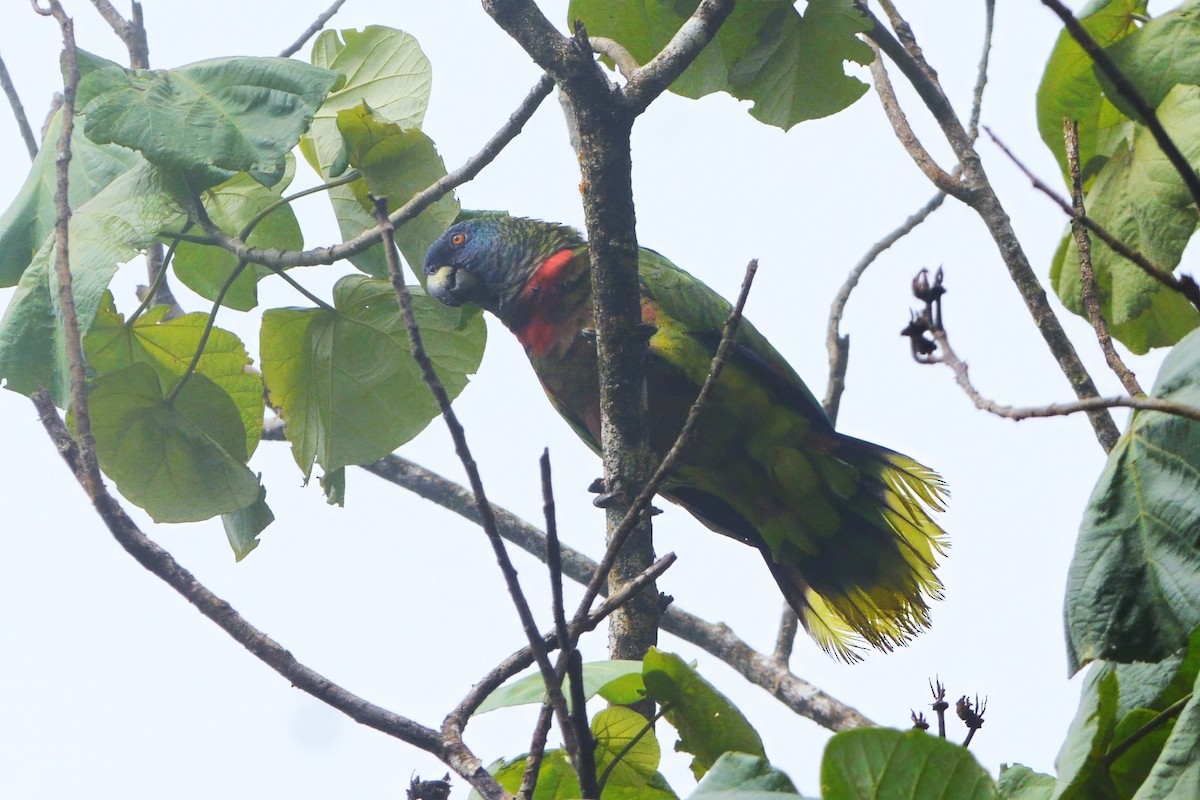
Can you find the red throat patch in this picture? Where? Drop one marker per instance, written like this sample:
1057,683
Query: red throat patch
539,331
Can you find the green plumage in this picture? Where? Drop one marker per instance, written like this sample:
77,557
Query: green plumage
844,525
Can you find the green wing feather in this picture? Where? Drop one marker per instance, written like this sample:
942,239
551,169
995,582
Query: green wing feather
845,525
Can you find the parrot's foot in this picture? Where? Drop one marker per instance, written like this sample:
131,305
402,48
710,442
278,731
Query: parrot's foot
604,498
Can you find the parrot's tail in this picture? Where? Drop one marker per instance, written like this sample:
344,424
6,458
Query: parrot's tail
871,583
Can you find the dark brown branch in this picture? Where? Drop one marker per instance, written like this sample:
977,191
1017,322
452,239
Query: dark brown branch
312,30
1185,285
758,668
1087,276
14,100
164,566
458,435
282,259
981,197
1148,117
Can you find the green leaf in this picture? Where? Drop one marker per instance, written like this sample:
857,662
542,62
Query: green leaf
1176,773
182,460
232,206
635,775
738,776
383,68
1133,590
1019,782
396,163
1082,773
1130,770
1069,87
333,483
169,346
791,66
208,120
108,230
1140,199
556,779
1157,56
345,378
532,688
30,219
626,689
243,526
707,723
885,764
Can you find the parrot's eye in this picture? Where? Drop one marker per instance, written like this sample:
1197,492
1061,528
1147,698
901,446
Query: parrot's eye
458,239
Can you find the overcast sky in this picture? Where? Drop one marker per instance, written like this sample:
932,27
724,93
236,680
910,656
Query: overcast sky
113,686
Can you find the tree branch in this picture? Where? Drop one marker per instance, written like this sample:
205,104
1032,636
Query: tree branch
312,30
981,197
14,100
1148,117
652,79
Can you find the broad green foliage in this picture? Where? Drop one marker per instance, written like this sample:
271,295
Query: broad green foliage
791,66
1133,591
1118,700
708,724
169,347
738,776
1070,88
206,120
233,205
556,778
344,377
376,114
183,459
30,218
1134,192
1019,782
597,677
383,68
106,231
885,764
243,526
624,743
396,163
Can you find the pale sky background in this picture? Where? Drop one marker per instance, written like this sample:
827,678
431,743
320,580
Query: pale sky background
113,686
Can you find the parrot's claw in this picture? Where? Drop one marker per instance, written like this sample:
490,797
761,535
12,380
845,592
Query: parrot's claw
604,500
597,486
588,335
654,510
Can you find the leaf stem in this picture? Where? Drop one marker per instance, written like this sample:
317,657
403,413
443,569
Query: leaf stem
1163,717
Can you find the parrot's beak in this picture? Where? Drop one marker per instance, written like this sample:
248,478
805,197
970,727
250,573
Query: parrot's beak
442,283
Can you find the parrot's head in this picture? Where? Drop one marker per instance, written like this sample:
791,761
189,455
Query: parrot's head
487,258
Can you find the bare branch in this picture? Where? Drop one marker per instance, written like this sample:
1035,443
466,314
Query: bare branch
312,30
758,668
282,259
785,639
131,31
1148,118
164,566
626,64
677,449
982,198
1185,285
1087,276
487,517
981,77
14,100
653,78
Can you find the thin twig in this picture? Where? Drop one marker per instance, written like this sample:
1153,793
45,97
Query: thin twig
1087,276
537,751
404,299
163,565
785,639
982,198
624,751
131,31
838,345
1185,284
585,760
652,79
981,75
1148,117
317,25
282,259
673,455
14,100
1139,402
1163,717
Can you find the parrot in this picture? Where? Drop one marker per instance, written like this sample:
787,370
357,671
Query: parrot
846,527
